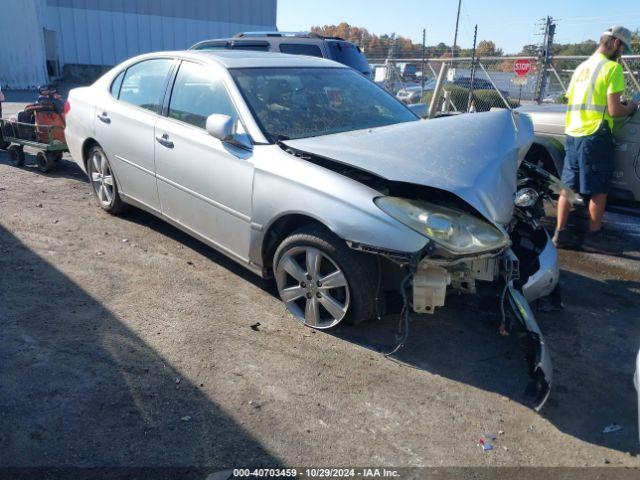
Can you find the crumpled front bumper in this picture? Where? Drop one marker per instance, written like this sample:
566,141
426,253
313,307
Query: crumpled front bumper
543,282
536,350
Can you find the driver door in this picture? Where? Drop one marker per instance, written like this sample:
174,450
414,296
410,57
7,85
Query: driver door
204,184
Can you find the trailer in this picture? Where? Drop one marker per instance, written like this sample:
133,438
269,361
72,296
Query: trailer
48,140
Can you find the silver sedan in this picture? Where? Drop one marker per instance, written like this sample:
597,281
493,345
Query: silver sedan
301,169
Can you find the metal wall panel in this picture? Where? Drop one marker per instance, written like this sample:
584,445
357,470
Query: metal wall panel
100,32
106,32
22,49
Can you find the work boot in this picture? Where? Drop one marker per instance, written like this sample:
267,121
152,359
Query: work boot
564,239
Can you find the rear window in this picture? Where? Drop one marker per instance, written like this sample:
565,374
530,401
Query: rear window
143,83
348,54
301,49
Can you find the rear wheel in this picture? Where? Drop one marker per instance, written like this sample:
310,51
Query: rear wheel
17,155
322,282
103,182
45,161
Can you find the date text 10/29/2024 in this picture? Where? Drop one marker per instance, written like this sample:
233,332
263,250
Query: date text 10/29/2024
315,472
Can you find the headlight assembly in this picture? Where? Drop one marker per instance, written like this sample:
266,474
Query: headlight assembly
455,231
526,197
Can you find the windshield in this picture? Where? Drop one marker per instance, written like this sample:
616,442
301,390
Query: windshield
290,103
349,55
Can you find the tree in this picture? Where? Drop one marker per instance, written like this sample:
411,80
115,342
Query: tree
530,50
486,48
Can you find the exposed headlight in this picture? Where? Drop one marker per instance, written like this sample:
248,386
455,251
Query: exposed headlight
526,197
455,231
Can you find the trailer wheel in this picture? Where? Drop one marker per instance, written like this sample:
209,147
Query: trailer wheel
44,161
17,155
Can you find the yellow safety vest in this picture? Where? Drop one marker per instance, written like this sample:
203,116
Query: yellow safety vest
591,83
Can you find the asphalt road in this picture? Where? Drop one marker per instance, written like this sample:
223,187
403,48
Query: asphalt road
125,342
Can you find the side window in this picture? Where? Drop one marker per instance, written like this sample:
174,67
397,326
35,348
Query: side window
143,83
301,49
115,85
198,93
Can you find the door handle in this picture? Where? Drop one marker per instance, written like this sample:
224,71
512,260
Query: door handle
164,141
103,117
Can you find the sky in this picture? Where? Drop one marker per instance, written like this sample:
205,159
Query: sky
510,24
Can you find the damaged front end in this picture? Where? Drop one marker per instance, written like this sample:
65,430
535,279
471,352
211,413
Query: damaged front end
496,274
481,236
466,254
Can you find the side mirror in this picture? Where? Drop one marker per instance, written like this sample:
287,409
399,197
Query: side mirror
220,126
223,128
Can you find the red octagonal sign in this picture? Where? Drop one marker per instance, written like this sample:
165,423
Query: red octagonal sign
522,66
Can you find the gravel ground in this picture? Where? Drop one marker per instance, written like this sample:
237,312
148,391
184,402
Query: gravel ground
125,342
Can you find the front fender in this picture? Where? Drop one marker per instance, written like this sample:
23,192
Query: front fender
554,148
287,185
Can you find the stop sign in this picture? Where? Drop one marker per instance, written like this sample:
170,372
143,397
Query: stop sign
522,67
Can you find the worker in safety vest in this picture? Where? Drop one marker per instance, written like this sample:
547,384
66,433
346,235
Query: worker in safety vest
594,99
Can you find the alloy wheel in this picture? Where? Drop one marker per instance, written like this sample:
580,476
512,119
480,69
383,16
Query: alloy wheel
102,178
312,287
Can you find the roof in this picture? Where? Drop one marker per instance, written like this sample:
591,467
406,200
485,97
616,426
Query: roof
249,58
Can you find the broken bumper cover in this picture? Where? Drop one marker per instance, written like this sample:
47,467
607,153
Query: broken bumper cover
536,351
542,283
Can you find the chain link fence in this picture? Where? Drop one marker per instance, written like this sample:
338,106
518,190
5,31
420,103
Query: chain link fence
486,82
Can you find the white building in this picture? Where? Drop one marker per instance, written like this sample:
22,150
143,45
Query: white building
40,40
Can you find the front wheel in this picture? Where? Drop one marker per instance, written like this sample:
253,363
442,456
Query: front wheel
103,182
322,282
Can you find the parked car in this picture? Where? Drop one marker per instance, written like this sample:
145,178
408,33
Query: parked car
407,70
295,43
301,169
413,94
478,84
549,141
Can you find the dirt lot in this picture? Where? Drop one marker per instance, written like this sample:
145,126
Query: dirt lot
125,342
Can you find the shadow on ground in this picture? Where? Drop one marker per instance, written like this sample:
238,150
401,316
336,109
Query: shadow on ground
81,389
64,168
50,345
593,344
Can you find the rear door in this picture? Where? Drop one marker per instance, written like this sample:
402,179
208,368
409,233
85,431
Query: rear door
125,127
204,184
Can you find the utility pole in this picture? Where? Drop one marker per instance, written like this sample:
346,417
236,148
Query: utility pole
388,65
473,69
424,48
455,36
545,56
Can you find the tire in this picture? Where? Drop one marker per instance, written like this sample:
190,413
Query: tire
17,155
356,299
103,182
44,161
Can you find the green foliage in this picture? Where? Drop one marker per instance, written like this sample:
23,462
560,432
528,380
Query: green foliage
484,100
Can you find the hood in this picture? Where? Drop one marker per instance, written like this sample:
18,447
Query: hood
475,157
